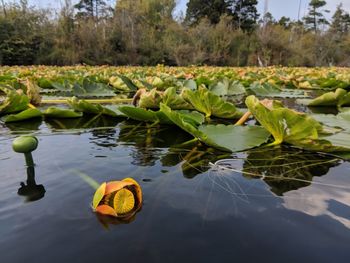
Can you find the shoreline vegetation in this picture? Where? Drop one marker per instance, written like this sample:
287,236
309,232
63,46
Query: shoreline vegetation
147,33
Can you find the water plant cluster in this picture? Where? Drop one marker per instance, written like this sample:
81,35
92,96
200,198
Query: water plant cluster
230,109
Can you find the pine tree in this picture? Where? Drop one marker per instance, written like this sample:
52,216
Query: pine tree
210,9
245,14
315,16
90,8
340,21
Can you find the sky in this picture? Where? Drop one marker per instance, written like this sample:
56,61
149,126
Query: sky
277,8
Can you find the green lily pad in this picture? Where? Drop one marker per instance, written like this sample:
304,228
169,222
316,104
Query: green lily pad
284,124
174,100
150,100
235,138
210,104
270,90
54,112
14,102
89,108
225,138
338,98
23,115
226,87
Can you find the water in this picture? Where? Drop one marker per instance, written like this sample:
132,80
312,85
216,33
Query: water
266,205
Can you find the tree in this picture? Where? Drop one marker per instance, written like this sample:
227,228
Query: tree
340,22
284,22
315,16
245,14
210,9
91,8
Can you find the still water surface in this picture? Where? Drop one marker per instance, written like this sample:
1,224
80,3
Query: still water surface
266,205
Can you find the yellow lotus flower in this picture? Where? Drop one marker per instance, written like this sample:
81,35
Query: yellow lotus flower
121,199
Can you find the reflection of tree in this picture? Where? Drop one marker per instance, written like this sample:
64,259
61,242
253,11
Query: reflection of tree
285,169
194,157
149,139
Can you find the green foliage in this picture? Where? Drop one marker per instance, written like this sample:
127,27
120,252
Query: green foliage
226,138
89,108
14,102
284,124
210,104
58,113
338,98
23,115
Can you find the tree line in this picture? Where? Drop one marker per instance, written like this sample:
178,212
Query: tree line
138,32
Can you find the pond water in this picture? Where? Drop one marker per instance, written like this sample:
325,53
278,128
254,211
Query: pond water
200,205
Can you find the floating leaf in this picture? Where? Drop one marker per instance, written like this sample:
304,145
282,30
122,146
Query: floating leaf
91,89
227,138
23,115
139,114
235,138
87,107
151,99
210,104
14,102
225,87
338,98
58,113
174,100
270,90
284,124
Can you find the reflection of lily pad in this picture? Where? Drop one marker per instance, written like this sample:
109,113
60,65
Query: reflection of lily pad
285,169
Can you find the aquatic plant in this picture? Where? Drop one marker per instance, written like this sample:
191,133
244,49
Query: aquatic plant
121,199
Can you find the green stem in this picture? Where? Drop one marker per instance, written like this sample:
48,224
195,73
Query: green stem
29,159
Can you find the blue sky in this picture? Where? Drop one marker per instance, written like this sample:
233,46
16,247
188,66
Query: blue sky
278,8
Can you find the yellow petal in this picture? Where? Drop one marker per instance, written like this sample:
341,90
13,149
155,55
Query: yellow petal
124,201
100,192
106,210
138,190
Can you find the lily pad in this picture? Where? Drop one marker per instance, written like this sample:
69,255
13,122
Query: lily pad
210,104
54,112
236,138
284,124
87,107
14,102
270,90
226,138
23,115
90,89
226,87
174,100
338,98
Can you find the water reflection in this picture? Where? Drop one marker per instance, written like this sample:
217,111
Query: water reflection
30,125
285,169
31,190
87,121
149,140
194,158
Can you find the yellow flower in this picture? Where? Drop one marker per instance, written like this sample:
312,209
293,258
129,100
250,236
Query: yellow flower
121,199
